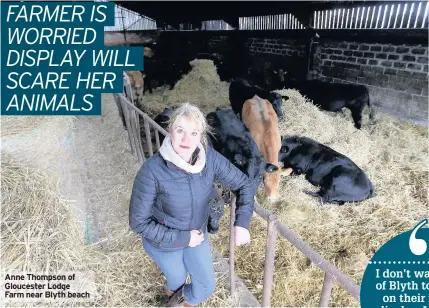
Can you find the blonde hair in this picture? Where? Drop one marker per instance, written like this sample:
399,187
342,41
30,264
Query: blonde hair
193,112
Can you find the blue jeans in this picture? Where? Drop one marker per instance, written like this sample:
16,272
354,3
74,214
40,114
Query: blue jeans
175,265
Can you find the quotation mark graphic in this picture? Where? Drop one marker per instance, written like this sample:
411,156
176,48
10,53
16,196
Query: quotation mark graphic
418,246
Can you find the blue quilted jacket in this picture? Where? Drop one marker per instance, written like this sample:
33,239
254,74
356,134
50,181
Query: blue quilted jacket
168,202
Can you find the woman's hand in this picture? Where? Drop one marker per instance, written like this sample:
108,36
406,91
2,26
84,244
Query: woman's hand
197,237
241,236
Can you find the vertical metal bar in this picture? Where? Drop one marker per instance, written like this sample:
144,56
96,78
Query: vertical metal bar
361,17
330,17
378,16
338,18
326,20
325,296
232,244
136,126
270,253
417,15
425,16
148,139
342,18
334,26
392,8
158,145
411,13
403,15
318,20
397,14
372,18
357,17
351,18
315,20
384,16
121,110
127,123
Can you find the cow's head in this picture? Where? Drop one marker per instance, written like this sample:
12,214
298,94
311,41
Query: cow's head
288,144
271,182
148,52
250,161
276,100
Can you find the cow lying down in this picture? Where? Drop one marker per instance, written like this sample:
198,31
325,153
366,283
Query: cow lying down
339,178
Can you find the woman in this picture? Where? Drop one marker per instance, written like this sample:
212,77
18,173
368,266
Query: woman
169,206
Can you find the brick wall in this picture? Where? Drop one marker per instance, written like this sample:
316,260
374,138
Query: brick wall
396,75
277,46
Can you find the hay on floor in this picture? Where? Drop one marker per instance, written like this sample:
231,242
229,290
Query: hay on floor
40,232
393,153
201,86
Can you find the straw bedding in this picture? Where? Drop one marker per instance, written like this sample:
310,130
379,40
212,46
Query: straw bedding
393,153
40,231
201,86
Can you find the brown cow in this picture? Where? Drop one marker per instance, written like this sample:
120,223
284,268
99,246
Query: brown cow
148,52
137,86
260,118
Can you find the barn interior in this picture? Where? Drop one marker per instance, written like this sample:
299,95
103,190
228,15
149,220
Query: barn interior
71,195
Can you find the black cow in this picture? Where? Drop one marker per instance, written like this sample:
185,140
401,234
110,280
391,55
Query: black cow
241,90
234,141
335,96
216,211
339,178
164,71
163,118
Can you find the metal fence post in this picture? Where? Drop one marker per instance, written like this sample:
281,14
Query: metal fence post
325,296
270,253
232,245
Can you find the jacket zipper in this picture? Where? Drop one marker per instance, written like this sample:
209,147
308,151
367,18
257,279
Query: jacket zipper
192,199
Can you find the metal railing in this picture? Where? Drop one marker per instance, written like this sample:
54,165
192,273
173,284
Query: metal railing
270,22
381,16
332,274
130,116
